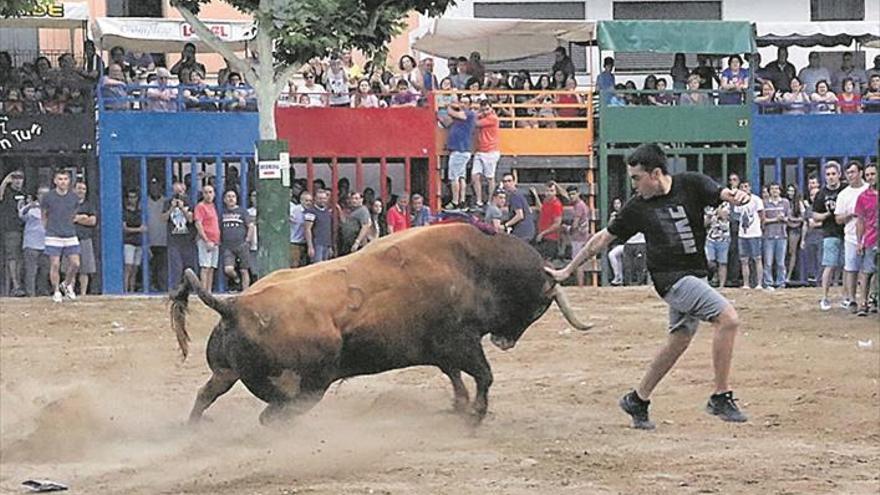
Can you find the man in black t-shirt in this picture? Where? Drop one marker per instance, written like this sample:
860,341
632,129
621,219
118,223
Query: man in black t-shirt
12,198
832,232
669,211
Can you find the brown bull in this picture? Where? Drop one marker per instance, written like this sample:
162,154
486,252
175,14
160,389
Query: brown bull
422,297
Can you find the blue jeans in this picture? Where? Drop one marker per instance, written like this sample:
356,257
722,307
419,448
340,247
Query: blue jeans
774,257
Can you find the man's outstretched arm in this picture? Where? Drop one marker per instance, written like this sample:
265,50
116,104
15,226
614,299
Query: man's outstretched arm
594,246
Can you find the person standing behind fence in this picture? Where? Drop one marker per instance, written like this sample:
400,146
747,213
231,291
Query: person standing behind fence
319,229
34,245
59,210
86,219
520,223
177,215
549,220
297,228
421,213
11,199
236,231
158,235
133,229
397,217
208,236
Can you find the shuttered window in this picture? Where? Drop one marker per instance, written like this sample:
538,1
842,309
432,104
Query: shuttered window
553,11
682,11
837,10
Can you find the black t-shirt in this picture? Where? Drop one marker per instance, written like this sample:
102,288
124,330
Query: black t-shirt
673,226
132,220
179,229
825,201
82,231
9,221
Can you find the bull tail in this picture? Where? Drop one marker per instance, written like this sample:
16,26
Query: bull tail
180,305
567,311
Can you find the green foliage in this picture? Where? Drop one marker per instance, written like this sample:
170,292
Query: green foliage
16,8
303,29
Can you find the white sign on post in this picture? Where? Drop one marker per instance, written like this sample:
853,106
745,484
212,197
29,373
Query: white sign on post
276,169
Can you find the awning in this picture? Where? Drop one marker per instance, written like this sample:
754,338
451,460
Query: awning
718,37
500,40
158,35
818,33
58,15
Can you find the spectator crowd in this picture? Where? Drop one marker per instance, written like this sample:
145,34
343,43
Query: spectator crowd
777,87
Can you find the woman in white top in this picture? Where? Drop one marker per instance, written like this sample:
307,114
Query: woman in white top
797,102
364,97
824,101
409,70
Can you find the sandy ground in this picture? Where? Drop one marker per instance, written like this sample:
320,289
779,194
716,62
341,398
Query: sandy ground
93,394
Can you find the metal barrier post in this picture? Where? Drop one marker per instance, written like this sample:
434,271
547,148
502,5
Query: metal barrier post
145,238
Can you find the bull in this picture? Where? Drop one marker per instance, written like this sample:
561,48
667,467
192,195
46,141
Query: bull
425,296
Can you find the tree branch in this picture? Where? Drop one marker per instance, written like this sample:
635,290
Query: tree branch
244,67
374,17
282,78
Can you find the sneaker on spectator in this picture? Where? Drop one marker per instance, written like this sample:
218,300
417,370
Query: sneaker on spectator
724,406
863,311
770,288
450,206
637,408
57,297
19,293
845,303
825,304
68,291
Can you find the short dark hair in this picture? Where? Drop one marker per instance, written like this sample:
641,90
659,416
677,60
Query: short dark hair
572,188
856,163
608,61
61,171
189,45
649,156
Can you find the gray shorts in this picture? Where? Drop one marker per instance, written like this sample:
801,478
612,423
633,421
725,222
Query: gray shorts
692,300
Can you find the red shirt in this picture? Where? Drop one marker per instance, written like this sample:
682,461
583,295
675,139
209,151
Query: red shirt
207,215
551,210
849,106
487,140
397,220
567,99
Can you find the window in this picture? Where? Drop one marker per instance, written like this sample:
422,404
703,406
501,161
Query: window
837,10
555,11
134,8
661,10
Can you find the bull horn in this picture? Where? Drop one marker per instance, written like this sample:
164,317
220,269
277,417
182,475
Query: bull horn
564,306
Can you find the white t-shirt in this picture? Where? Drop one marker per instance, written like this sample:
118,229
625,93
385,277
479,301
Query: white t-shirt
749,219
315,93
846,205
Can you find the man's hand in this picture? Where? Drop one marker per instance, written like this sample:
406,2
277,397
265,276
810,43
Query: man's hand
311,253
539,238
740,198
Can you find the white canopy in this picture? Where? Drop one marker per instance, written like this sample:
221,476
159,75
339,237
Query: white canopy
159,35
500,40
59,15
836,33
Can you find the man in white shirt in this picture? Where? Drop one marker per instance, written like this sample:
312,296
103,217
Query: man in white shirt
844,213
750,235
